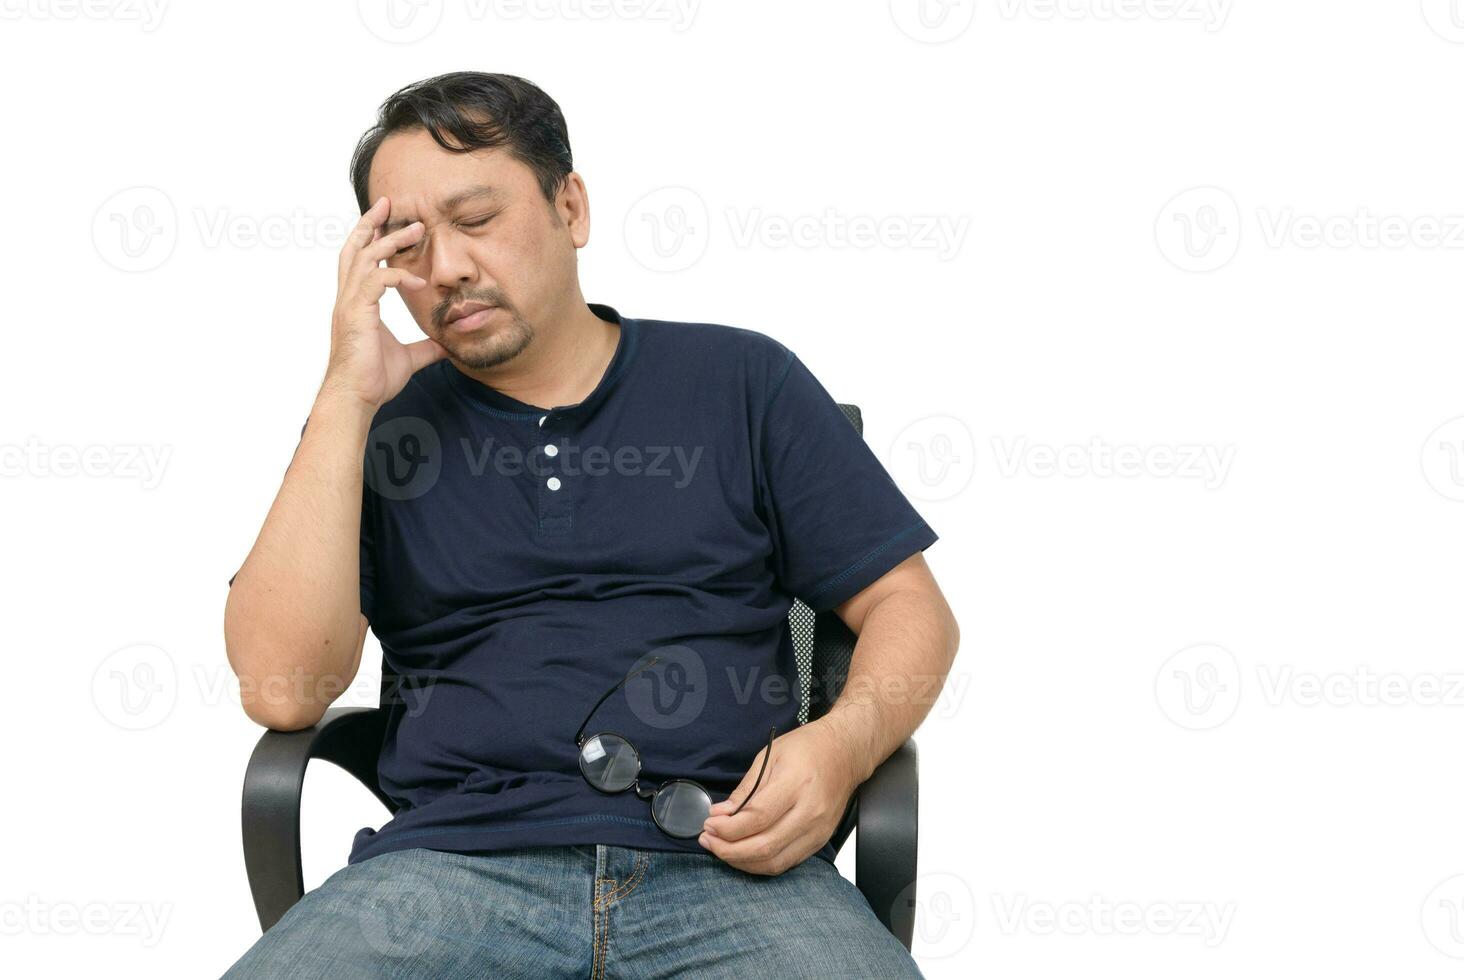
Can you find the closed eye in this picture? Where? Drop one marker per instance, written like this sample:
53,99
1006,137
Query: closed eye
475,223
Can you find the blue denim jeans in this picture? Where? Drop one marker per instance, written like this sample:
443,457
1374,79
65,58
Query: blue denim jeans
585,911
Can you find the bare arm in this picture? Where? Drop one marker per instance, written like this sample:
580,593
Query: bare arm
293,626
906,643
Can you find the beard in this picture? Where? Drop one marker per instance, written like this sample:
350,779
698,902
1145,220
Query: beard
488,347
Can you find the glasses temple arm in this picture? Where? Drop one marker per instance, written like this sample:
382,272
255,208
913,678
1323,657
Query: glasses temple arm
579,736
766,756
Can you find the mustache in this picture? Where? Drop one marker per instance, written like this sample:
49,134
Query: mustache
441,311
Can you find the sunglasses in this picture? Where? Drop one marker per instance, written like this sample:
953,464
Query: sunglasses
611,764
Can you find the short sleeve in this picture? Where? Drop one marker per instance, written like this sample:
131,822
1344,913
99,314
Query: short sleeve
368,552
837,518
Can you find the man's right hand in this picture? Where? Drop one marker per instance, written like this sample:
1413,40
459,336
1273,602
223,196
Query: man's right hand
366,361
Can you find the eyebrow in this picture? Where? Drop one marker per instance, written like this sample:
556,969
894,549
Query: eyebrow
474,193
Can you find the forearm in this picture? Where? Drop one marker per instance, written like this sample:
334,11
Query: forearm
291,623
900,663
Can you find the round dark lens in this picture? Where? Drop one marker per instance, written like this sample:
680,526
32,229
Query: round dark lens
681,807
609,762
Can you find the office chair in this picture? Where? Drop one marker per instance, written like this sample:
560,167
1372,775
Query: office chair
883,808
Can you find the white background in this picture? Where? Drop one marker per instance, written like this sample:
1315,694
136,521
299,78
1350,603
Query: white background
1219,701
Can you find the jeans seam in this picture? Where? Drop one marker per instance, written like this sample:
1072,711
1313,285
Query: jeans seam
602,926
642,861
602,908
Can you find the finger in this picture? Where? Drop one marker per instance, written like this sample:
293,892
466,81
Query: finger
362,234
746,787
763,853
803,845
385,246
424,352
773,799
755,818
729,804
774,850
734,799
381,279
740,854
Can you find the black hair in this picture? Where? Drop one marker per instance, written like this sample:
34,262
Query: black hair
478,110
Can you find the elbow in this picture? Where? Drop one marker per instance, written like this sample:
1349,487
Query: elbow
276,698
269,700
270,693
281,717
276,688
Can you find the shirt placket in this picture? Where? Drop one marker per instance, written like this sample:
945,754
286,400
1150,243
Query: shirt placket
556,490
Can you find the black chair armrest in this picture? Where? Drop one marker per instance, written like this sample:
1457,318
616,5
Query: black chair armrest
349,737
885,846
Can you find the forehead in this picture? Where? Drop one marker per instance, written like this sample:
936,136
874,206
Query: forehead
422,179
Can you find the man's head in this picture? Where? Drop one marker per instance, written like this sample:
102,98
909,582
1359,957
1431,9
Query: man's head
483,160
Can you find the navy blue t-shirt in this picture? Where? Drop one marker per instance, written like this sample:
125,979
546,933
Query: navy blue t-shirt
517,561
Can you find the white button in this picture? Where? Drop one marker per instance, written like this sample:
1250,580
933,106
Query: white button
553,483
551,450
541,419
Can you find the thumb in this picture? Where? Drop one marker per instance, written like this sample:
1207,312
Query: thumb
726,806
735,798
751,780
421,353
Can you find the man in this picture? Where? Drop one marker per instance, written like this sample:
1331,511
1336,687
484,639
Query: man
556,497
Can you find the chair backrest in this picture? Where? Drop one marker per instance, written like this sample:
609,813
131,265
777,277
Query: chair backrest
822,645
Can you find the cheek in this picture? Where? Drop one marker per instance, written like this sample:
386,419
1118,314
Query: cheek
517,246
515,260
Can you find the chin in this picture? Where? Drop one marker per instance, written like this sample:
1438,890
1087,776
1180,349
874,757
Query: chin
484,348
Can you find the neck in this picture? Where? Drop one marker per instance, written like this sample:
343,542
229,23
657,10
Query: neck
562,365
